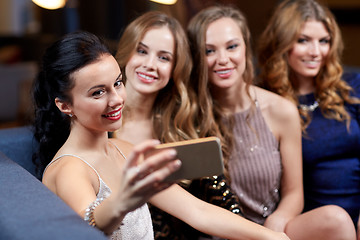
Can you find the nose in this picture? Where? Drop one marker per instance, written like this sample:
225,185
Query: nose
149,62
222,57
117,97
314,49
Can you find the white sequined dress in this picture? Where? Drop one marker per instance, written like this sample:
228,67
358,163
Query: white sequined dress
136,225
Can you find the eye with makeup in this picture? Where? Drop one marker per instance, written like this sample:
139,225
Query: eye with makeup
209,51
322,41
233,46
165,58
141,51
98,93
325,41
119,83
302,40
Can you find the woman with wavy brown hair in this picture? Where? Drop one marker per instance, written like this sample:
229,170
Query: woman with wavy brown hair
261,129
168,105
154,57
299,57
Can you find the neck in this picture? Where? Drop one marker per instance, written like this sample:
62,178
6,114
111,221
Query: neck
233,99
304,85
83,139
138,106
137,125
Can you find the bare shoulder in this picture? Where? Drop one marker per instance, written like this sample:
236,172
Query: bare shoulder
65,163
276,106
65,169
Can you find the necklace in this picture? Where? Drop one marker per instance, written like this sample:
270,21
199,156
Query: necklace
310,108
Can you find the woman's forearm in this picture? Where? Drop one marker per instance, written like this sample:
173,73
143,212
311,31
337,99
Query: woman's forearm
209,218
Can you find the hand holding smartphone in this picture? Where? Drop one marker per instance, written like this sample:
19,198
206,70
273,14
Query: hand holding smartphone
200,157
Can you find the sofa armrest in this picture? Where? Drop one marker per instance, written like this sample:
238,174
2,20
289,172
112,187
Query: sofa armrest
29,210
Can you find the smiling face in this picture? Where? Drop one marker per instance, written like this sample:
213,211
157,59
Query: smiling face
98,95
149,68
309,52
226,53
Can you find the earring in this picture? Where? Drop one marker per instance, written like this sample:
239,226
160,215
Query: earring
70,115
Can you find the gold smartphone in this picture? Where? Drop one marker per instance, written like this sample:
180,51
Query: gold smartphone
200,157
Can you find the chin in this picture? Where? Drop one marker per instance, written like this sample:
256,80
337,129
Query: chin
309,72
312,74
224,83
114,127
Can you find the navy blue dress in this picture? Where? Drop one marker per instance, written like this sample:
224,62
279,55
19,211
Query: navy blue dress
331,156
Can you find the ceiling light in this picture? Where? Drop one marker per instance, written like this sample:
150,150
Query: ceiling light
50,4
166,2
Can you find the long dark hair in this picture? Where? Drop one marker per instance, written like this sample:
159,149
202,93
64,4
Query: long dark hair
51,127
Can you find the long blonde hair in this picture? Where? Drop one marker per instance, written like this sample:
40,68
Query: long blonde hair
210,112
277,40
172,113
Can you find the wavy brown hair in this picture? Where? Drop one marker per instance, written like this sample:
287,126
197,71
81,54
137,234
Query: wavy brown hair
172,113
276,75
210,112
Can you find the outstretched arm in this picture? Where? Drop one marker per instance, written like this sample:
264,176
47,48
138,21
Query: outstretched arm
209,218
77,184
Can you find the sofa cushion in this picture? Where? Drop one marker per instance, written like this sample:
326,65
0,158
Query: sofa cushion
29,210
19,144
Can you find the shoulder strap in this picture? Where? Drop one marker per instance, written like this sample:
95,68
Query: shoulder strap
72,155
122,154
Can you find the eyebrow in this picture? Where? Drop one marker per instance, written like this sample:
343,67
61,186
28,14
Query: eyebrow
102,85
143,44
307,36
227,42
161,51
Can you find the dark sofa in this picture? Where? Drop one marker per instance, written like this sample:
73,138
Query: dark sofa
28,210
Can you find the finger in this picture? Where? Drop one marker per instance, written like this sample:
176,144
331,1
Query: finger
158,159
154,181
138,151
141,190
155,162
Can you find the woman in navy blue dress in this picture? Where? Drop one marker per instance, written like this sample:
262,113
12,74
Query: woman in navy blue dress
331,156
299,57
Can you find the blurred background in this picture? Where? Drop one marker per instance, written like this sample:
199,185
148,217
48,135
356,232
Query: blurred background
26,29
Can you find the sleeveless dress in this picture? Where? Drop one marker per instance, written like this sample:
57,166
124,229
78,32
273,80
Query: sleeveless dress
136,224
255,166
331,156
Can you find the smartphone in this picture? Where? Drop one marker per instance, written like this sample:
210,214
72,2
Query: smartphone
200,157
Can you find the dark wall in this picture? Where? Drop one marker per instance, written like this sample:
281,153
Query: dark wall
108,18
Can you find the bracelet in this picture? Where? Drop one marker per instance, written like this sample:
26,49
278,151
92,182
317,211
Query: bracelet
89,212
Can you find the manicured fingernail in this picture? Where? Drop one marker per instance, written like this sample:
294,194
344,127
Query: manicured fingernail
177,163
172,152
